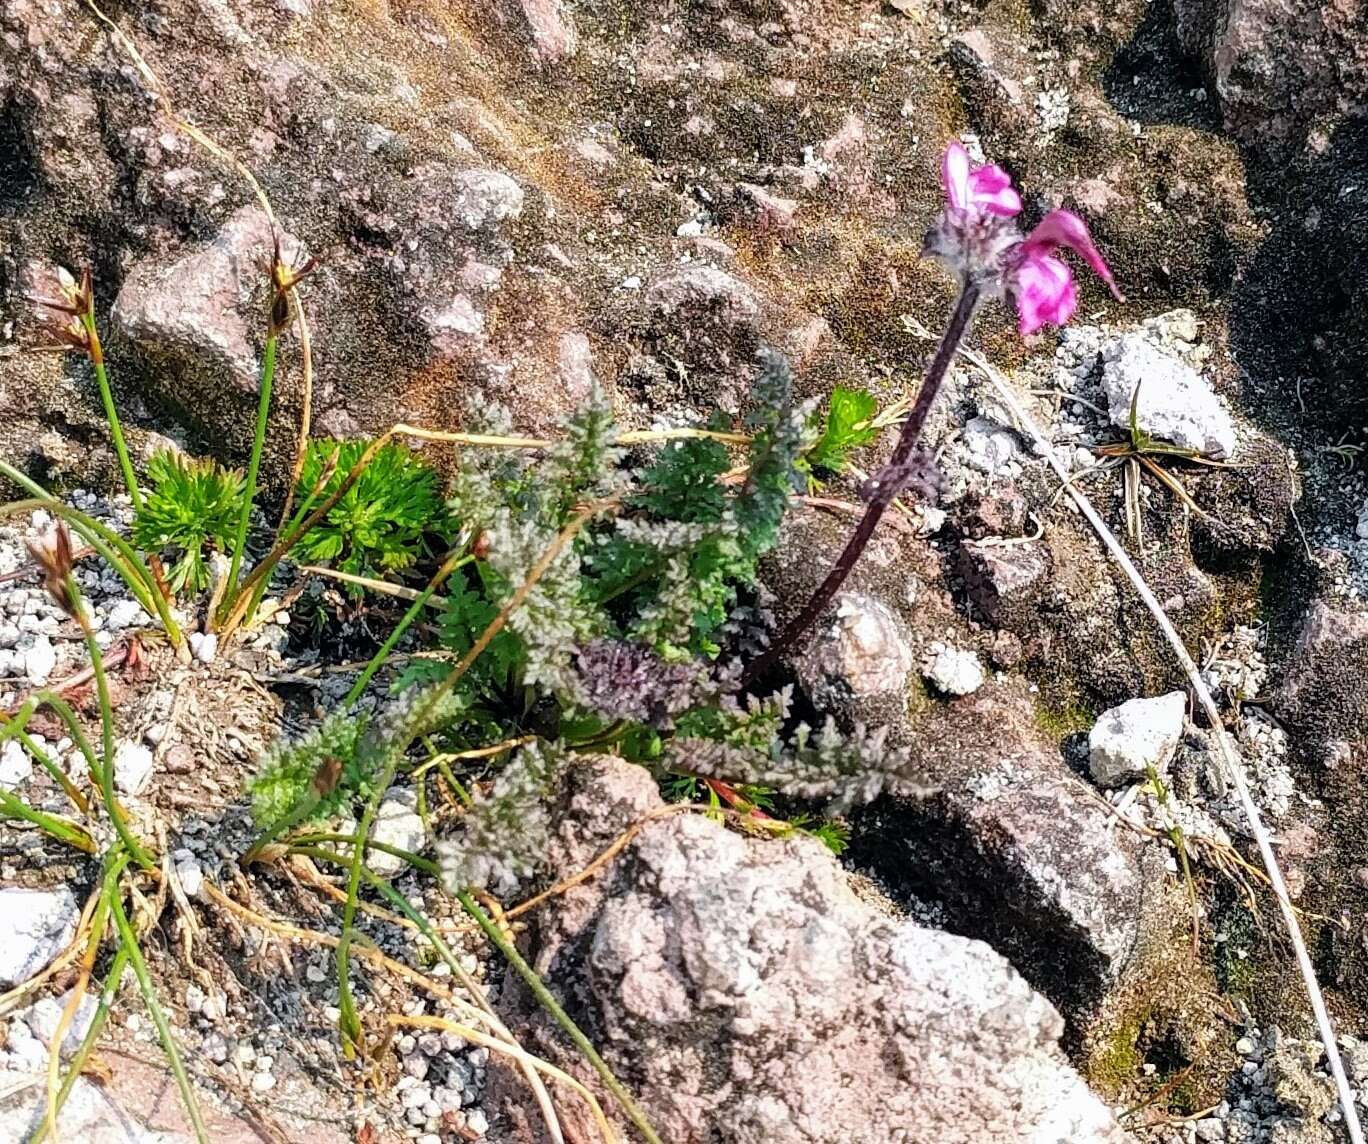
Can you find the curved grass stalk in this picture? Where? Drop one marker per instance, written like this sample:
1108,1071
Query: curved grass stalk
99,918
426,928
630,437
1232,764
106,771
128,942
268,366
104,540
96,352
87,1045
13,728
560,1016
419,863
349,1024
377,661
62,829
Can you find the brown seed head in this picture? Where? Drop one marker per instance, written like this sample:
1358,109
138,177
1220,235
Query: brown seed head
52,552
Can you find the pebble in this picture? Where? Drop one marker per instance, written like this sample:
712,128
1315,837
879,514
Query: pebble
15,766
133,764
190,872
263,1082
216,1048
40,660
1245,1047
126,613
954,671
477,1122
37,925
203,647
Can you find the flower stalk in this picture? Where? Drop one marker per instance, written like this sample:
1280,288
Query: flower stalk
883,489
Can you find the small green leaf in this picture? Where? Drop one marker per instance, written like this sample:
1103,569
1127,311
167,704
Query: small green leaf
849,414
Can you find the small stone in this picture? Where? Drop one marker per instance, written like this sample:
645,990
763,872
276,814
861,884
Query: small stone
133,764
477,1122
40,660
429,1138
397,824
1175,403
416,1066
215,1047
315,974
430,1044
1210,1130
190,872
1128,740
203,647
263,1082
46,1013
194,998
954,671
124,614
1245,1047
15,766
37,926
990,446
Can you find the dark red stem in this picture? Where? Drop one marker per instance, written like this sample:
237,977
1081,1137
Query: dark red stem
882,494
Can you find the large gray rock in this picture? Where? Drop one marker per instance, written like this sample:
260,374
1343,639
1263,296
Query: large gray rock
747,995
205,313
1323,693
1128,740
1016,850
37,926
1278,65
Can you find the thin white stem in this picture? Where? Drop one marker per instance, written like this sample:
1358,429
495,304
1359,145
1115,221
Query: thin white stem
1232,764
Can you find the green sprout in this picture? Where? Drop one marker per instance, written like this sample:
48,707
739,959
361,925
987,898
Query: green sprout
190,510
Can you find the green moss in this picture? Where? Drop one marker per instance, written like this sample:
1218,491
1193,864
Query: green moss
1059,720
1116,1063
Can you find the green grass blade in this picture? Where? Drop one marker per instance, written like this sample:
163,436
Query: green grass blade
62,829
128,942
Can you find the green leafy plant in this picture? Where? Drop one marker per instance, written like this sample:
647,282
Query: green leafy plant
190,510
849,425
383,522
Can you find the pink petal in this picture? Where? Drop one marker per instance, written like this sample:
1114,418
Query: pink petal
1044,292
991,188
1064,228
955,175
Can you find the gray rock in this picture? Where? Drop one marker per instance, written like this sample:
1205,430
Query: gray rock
133,763
125,613
203,313
15,764
990,446
44,1015
863,653
695,288
954,671
397,824
40,660
1322,696
1016,850
1277,66
1141,733
835,1022
1175,403
37,926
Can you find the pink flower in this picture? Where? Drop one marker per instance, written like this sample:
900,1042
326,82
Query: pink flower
1041,285
984,190
978,241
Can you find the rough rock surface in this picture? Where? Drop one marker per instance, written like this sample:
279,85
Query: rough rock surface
1174,405
1017,851
1278,66
701,946
1128,740
37,926
862,654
